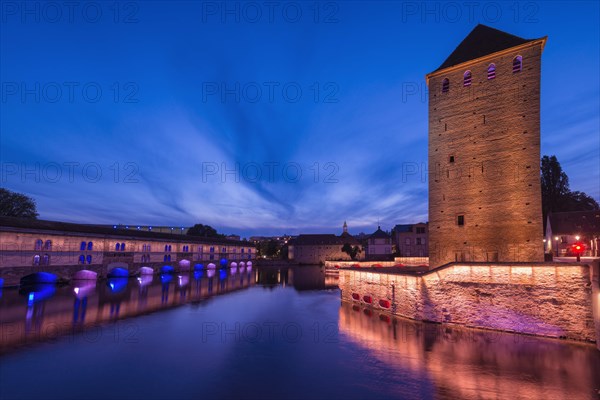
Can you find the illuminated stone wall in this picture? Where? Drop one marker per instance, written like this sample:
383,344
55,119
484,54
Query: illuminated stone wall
18,251
552,300
315,254
484,156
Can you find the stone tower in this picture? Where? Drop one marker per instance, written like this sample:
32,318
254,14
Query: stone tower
484,151
345,227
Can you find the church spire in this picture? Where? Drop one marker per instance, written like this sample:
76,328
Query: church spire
345,227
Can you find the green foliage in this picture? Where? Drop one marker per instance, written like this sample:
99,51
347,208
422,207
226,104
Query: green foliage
556,195
268,248
18,205
352,251
204,231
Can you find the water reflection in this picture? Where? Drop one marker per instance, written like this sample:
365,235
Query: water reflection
81,289
300,278
286,328
37,312
145,280
472,364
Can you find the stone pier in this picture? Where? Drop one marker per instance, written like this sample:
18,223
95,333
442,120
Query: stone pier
546,299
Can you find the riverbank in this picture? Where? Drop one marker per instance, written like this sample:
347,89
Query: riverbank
549,299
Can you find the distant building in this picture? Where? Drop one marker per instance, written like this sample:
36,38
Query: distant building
563,230
411,240
379,246
259,238
484,151
317,248
283,239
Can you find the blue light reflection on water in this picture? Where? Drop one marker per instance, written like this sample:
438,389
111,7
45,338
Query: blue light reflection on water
276,341
117,285
38,292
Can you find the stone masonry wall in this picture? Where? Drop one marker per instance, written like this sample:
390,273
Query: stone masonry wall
484,156
552,300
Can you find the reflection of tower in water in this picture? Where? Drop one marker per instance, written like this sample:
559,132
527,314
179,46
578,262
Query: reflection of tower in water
501,365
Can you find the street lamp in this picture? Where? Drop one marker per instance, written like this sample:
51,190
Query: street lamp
577,237
556,239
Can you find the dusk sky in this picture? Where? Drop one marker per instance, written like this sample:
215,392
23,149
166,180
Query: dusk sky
130,114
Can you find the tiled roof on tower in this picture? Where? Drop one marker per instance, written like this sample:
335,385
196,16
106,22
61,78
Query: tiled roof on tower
482,41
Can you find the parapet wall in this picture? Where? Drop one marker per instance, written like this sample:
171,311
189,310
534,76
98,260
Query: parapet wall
550,299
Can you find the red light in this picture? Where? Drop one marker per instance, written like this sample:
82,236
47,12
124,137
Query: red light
578,247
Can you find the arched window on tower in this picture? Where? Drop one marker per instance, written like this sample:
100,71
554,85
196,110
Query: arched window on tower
38,244
517,64
82,246
89,258
48,245
445,85
117,246
122,246
491,73
36,259
90,246
467,78
81,259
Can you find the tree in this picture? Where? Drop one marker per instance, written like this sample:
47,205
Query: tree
556,194
269,248
352,251
18,205
579,201
206,231
284,252
555,184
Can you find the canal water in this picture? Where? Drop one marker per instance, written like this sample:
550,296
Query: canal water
262,333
